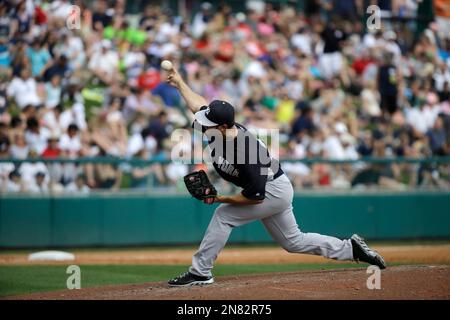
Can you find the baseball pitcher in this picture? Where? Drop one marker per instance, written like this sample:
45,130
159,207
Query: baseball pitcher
266,193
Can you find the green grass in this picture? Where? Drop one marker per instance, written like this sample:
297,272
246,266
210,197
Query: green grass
16,280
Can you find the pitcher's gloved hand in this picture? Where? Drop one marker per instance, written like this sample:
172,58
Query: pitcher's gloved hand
199,186
210,200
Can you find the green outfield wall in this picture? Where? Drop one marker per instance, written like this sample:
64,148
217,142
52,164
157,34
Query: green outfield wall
119,220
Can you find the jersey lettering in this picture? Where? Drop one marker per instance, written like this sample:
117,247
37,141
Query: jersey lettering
227,167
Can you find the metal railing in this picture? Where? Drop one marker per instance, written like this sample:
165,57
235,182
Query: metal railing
137,161
308,174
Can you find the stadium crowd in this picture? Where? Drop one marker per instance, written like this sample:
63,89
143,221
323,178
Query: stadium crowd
93,86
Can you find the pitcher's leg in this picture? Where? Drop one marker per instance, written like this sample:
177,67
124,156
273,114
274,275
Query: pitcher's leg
226,217
284,229
215,238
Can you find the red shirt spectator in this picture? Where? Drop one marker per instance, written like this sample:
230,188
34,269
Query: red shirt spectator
149,80
52,150
359,65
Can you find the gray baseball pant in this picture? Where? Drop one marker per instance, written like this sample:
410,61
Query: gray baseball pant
278,219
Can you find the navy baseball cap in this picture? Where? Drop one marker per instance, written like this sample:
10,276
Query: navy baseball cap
217,113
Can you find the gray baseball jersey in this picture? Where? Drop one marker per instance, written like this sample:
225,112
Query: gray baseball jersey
275,212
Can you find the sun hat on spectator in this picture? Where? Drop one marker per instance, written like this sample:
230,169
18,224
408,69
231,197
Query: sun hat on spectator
54,137
390,35
347,138
105,43
206,6
340,128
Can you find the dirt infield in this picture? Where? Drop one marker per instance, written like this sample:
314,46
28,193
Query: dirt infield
400,282
407,254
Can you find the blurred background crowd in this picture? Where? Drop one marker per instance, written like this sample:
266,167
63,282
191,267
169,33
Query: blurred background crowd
86,81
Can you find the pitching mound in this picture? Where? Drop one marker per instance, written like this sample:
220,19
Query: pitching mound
401,282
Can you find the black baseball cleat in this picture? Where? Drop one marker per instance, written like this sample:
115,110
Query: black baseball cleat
189,279
362,252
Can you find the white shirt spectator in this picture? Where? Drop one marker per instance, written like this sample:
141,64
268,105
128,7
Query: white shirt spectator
107,62
176,171
133,57
143,103
414,117
5,169
24,92
35,188
297,168
370,41
53,95
348,143
74,50
422,119
295,89
370,73
333,148
73,188
440,77
430,114
28,171
13,187
166,32
255,69
394,48
72,145
155,49
50,121
370,102
60,9
37,141
18,152
75,115
168,49
303,42
136,143
198,25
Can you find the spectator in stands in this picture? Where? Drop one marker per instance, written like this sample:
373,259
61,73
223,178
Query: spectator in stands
141,101
78,186
318,77
19,147
160,129
142,176
36,136
24,90
13,184
53,92
438,140
70,142
52,151
39,185
331,61
60,67
4,140
39,56
104,62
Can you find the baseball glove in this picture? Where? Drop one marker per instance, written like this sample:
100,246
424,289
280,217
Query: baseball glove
199,186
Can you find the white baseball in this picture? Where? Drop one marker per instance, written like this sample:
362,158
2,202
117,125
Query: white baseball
166,65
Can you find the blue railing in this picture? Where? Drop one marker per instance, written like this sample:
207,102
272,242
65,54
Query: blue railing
137,161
